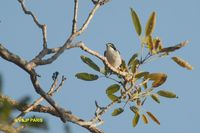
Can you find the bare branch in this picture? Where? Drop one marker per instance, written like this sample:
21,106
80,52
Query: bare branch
9,56
101,111
60,112
44,33
81,45
74,25
40,91
52,90
43,27
89,18
24,65
29,66
58,88
60,50
44,109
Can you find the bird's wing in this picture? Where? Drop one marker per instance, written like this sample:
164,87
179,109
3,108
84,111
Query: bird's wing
104,53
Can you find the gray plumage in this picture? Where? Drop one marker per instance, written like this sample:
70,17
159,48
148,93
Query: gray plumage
113,55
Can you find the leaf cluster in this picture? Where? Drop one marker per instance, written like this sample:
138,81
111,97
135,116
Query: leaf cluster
142,84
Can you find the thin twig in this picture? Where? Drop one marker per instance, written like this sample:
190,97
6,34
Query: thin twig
40,91
108,77
89,18
142,61
74,23
102,111
43,27
51,91
35,62
105,109
58,88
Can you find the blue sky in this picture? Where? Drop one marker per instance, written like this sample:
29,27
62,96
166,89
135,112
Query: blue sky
177,20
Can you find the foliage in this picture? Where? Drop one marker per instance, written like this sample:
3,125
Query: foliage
142,84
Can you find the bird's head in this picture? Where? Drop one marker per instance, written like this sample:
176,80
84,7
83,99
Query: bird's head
111,45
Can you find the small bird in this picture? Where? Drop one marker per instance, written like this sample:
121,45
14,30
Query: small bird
113,55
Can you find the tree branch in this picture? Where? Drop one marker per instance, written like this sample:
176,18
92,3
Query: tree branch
89,18
35,62
40,91
7,55
43,27
29,66
74,23
125,75
52,90
45,109
11,57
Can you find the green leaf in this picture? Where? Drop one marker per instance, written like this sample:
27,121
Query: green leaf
117,111
153,118
136,22
87,76
113,97
5,110
155,97
90,63
167,94
141,74
106,70
145,84
132,59
144,119
135,66
158,79
134,109
173,48
123,66
112,89
182,63
150,24
158,45
135,120
150,44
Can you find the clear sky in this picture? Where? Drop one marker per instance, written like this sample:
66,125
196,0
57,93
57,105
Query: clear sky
177,20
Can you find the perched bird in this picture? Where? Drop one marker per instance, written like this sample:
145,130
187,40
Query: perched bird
113,55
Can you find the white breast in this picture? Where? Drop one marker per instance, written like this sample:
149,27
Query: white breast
113,57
